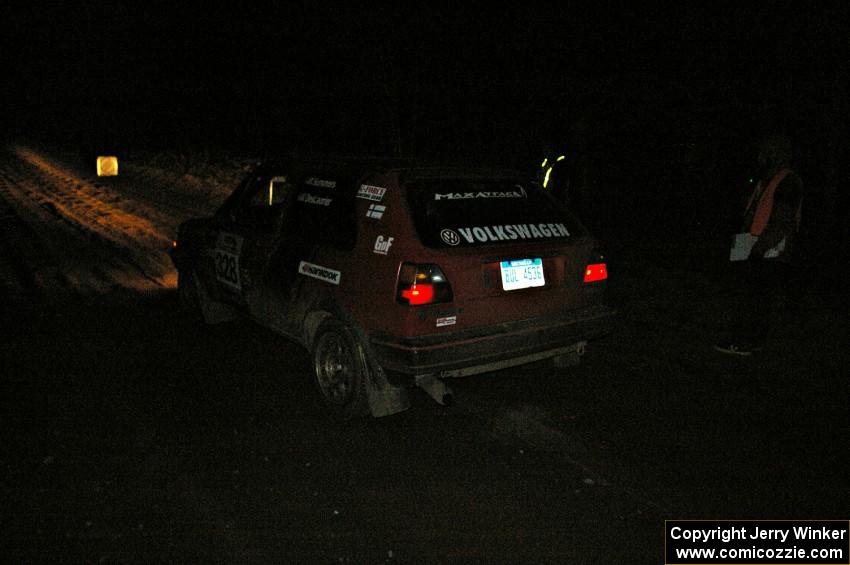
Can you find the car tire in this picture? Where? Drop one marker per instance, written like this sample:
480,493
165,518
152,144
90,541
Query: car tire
340,370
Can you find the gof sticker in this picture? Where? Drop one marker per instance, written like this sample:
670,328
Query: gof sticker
382,246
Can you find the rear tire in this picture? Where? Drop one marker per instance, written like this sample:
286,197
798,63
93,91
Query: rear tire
340,370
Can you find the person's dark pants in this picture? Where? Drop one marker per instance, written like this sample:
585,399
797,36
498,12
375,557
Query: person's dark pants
762,301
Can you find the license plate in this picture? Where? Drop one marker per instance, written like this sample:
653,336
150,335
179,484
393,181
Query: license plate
522,273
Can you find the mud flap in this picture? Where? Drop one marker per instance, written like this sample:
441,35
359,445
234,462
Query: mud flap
213,312
384,398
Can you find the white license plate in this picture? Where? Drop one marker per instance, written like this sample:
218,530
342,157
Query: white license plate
522,273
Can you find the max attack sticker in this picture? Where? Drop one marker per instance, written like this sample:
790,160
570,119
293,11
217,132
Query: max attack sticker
376,211
518,193
447,321
313,181
382,246
319,272
312,199
369,192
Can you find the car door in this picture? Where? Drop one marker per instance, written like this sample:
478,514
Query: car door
318,220
240,239
265,283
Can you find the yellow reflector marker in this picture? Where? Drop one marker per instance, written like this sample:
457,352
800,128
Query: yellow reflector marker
561,158
107,166
546,178
543,164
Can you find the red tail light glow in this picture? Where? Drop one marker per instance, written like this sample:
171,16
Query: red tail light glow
595,272
420,284
419,294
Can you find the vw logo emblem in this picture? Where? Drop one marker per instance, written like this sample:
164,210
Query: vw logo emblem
450,237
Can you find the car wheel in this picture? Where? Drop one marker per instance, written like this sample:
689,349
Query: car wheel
340,370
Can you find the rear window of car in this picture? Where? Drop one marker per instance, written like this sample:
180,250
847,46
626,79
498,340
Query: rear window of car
478,212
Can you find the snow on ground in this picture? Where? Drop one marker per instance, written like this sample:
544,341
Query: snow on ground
65,230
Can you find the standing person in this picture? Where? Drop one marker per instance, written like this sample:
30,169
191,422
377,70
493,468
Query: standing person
772,215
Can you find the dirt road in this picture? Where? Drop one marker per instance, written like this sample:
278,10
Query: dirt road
131,434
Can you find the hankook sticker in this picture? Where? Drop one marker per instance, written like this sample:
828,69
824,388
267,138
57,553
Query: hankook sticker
319,272
447,321
369,192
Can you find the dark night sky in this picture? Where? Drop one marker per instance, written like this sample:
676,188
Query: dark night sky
451,77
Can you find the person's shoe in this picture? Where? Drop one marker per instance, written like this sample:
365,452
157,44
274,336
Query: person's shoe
733,348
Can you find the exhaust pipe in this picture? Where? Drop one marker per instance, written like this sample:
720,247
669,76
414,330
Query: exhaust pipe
436,389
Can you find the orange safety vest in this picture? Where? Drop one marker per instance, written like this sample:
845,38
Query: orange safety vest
764,207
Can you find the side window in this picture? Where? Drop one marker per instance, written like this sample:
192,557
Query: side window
232,202
271,192
263,202
324,210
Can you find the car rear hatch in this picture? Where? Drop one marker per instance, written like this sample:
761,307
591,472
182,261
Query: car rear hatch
508,249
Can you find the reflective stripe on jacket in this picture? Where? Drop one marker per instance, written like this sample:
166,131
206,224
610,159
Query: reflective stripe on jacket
764,206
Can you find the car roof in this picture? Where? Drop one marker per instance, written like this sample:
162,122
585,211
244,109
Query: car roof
408,169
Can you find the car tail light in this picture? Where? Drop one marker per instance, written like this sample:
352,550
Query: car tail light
595,272
420,284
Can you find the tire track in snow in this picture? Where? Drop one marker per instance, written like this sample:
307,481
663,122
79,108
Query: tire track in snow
79,237
93,207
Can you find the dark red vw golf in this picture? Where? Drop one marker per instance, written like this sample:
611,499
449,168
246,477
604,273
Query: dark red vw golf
395,275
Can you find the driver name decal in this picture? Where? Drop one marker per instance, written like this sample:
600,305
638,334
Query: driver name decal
508,232
319,272
312,199
313,181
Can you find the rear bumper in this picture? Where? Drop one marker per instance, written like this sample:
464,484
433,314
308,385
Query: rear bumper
484,349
